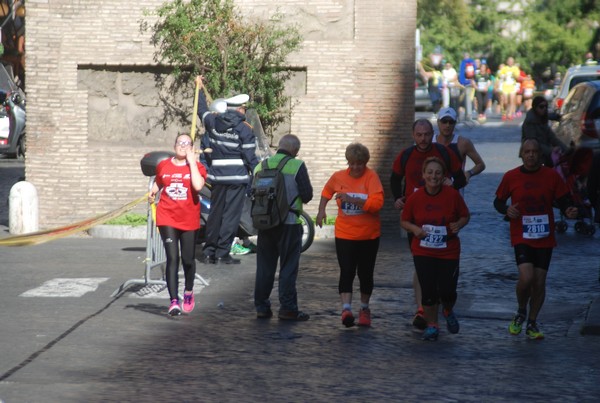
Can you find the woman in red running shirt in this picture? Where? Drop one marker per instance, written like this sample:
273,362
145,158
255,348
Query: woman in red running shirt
434,214
178,180
359,196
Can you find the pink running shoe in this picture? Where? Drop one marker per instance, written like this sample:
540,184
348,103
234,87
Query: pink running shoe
174,308
188,301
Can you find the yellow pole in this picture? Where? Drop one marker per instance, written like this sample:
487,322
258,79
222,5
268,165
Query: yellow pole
195,111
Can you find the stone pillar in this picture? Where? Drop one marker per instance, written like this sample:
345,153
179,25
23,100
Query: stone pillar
23,215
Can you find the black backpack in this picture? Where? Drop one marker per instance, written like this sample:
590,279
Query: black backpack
270,206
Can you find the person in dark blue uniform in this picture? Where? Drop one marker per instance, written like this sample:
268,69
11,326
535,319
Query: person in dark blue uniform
230,167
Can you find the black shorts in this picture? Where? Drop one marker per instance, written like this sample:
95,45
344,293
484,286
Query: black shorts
539,257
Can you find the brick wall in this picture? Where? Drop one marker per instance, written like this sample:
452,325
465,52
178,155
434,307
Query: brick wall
359,62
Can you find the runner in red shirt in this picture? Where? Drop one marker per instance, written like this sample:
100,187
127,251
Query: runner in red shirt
532,189
434,215
408,168
178,180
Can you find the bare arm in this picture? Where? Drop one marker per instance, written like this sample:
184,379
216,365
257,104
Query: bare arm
196,179
456,226
417,231
469,150
321,215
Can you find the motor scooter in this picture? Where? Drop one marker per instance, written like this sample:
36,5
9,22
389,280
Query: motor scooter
12,117
246,228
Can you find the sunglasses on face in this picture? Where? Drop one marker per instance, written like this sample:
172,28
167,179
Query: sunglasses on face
448,121
542,106
184,143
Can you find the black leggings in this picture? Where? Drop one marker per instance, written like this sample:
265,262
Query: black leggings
172,240
482,98
438,279
356,257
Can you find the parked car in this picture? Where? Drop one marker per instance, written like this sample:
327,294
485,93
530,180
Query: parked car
422,100
12,116
574,76
579,123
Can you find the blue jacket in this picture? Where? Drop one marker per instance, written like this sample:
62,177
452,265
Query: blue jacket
233,144
461,72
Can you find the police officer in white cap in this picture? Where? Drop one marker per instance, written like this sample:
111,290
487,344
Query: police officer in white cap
230,166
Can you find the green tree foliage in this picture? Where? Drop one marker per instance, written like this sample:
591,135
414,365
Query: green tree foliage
560,32
234,54
539,34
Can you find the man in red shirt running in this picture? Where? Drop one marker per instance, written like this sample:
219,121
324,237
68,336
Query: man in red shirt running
532,189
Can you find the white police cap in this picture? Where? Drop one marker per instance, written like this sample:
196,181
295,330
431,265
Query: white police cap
219,105
237,100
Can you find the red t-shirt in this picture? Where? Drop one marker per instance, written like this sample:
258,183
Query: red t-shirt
413,172
535,193
436,212
179,204
354,222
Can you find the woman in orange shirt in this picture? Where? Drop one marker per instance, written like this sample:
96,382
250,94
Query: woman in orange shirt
359,196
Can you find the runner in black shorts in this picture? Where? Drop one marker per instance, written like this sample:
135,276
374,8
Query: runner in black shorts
532,189
539,257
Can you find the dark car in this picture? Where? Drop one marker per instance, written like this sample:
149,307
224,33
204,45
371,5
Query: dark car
579,123
12,116
422,100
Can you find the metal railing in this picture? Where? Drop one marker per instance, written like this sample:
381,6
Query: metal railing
155,256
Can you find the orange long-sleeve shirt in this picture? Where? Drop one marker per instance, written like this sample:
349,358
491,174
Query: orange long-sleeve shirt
355,222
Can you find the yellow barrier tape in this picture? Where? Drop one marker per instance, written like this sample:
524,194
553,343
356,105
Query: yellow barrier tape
35,238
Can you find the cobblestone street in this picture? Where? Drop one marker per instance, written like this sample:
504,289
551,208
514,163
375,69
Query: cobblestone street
95,348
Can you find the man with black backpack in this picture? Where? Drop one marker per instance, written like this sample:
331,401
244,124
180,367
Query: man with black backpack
280,239
407,176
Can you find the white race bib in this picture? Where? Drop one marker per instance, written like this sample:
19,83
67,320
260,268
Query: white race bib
536,226
351,208
436,238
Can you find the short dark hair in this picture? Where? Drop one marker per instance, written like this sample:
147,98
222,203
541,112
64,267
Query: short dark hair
538,99
529,139
422,121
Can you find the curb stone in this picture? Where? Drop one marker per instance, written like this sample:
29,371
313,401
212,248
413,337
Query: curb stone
591,325
139,232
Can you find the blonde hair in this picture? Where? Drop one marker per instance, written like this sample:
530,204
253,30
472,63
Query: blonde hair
357,152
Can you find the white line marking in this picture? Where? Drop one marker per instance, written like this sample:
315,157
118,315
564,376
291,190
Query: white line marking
66,287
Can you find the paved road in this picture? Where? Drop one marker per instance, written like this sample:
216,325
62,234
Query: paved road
92,347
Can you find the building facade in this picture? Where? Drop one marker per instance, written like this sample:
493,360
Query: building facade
94,111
